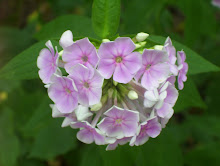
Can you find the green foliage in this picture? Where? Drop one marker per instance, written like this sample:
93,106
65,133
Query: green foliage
105,17
189,97
10,147
52,141
13,41
29,136
197,64
24,65
79,25
204,155
195,20
163,149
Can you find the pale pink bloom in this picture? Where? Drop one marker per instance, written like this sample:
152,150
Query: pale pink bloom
69,117
155,68
171,51
119,123
118,59
183,69
216,3
47,63
89,84
63,93
80,52
89,134
151,128
122,141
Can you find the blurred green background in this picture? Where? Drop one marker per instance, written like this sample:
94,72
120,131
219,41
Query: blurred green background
29,136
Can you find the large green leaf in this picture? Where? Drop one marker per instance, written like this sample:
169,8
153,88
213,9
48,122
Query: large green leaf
189,97
13,41
164,150
197,64
79,25
53,140
204,155
105,17
9,142
196,26
90,156
24,65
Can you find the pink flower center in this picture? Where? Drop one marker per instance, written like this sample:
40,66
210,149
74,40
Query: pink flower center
67,90
86,85
148,66
84,58
118,59
118,121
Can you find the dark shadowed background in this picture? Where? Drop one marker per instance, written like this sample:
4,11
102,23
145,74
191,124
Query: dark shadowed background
29,136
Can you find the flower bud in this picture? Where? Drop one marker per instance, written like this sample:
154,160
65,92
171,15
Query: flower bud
141,36
105,40
132,95
96,107
115,83
60,53
158,47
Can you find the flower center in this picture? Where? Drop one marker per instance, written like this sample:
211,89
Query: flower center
148,66
118,59
67,90
85,58
118,121
86,85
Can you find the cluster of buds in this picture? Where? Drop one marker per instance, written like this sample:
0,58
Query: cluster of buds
115,92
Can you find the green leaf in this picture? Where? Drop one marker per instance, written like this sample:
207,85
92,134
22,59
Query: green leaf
24,65
163,150
189,97
79,25
204,155
90,155
13,41
105,17
53,140
40,119
9,142
197,64
193,20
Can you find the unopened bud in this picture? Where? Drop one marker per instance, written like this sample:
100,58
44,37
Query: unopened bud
132,95
105,40
137,45
158,47
141,36
96,107
60,53
115,83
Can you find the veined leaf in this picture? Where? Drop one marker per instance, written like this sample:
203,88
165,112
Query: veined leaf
79,25
105,17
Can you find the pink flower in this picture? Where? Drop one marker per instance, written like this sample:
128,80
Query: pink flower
162,99
47,62
63,93
89,84
122,141
89,134
69,117
171,51
117,59
119,123
151,128
216,3
155,68
183,68
80,52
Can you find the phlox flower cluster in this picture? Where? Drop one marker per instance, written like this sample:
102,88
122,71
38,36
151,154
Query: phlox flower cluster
116,92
